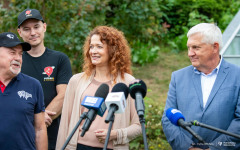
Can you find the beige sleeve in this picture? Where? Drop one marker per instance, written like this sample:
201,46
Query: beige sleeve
66,112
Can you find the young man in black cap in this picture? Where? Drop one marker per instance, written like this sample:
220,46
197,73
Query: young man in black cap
21,100
50,67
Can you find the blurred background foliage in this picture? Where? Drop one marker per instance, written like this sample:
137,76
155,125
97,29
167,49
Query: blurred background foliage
145,23
149,26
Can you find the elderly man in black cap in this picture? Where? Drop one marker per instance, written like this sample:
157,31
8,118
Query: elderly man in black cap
21,100
50,67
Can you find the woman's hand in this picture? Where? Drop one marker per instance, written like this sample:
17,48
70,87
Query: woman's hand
101,134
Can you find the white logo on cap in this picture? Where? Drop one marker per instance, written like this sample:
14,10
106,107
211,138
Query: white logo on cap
11,36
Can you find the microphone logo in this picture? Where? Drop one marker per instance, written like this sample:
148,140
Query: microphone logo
174,111
118,96
136,82
91,100
220,143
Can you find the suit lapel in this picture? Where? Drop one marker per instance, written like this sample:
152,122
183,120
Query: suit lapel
222,74
197,85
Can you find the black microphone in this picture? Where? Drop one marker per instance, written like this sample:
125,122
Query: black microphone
138,90
176,118
116,100
101,92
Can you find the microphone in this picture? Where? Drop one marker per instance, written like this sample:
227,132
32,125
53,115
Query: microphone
138,90
116,103
196,123
116,100
95,105
176,118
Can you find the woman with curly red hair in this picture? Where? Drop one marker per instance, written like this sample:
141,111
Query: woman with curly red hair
107,59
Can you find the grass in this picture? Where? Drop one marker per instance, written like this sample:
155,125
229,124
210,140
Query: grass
157,75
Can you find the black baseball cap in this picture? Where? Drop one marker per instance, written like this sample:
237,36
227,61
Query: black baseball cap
9,39
27,14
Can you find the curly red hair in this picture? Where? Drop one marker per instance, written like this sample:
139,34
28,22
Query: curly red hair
118,49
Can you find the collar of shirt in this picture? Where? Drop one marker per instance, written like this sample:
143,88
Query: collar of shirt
2,86
215,71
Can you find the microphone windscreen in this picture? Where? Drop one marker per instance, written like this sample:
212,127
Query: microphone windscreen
102,91
174,115
121,87
137,86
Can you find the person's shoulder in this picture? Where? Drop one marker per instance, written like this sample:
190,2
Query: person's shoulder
56,53
234,70
226,64
28,79
24,53
184,70
76,77
128,77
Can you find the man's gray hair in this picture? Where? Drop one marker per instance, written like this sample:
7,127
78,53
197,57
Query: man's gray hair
210,32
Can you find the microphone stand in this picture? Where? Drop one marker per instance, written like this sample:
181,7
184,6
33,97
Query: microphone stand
109,132
140,111
196,123
83,116
187,126
109,120
90,116
142,121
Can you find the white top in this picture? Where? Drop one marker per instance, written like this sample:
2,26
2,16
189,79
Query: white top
207,82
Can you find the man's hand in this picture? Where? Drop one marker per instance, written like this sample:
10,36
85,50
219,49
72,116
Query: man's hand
48,117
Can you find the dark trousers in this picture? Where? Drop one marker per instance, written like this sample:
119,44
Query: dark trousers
84,147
